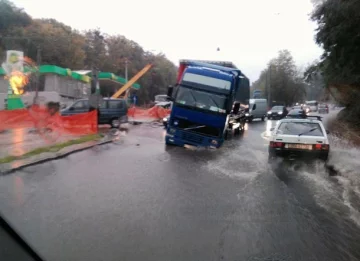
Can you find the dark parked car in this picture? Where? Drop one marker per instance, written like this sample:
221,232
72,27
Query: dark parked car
277,112
111,111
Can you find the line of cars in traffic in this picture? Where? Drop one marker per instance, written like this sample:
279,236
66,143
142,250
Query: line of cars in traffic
296,133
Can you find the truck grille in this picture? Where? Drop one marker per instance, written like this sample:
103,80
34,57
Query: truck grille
206,131
192,137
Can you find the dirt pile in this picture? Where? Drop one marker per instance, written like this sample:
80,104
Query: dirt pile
344,128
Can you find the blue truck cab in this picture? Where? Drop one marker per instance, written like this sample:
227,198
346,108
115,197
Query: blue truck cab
203,99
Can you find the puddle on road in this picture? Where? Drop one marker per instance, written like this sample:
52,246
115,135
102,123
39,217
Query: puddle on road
339,195
235,164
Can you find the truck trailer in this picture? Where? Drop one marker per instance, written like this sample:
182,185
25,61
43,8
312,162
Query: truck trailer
210,99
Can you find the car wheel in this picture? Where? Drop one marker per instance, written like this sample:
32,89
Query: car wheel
250,119
115,123
263,118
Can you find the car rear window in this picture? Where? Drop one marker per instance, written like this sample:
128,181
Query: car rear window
304,128
116,104
296,112
277,108
84,104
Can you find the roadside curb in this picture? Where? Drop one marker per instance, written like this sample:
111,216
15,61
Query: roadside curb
8,168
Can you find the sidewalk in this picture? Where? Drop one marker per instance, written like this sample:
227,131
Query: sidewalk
17,142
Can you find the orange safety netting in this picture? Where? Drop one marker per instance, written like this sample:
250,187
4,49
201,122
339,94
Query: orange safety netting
146,115
41,118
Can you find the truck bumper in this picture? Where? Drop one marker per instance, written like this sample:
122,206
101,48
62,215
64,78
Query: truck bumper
171,139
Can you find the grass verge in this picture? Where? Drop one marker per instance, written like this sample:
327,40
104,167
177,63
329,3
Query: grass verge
51,148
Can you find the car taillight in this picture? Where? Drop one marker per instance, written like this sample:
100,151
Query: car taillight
325,147
321,146
276,144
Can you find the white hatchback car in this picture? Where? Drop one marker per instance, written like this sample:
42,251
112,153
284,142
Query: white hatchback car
299,138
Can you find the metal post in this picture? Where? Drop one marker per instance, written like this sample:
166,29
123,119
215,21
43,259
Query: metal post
38,62
126,70
269,87
126,77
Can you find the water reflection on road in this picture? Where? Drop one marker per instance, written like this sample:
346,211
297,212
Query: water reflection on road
136,200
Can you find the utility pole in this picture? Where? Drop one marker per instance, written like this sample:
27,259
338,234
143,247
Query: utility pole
126,77
37,83
126,69
269,86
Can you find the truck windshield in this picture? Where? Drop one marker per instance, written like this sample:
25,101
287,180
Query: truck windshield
201,100
207,81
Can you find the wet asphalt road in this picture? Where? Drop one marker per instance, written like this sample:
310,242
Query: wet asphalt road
134,200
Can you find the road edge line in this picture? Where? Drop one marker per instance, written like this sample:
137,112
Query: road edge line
57,155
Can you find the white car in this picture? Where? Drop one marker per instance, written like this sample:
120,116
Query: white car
299,138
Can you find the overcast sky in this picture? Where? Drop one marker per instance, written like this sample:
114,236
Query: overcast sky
248,32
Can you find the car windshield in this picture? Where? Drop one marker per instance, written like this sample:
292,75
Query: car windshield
201,100
297,107
322,106
160,98
277,108
304,128
296,112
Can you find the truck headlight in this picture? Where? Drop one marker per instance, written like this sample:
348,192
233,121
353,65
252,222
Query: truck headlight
247,114
214,142
165,119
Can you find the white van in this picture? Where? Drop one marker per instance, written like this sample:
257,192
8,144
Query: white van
312,105
257,109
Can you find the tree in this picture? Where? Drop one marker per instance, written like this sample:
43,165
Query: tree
284,80
315,88
11,16
59,44
65,47
95,49
11,19
338,34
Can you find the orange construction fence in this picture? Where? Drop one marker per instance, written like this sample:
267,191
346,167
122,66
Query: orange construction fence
41,118
147,115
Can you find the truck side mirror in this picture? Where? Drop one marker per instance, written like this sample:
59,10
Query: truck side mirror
170,92
236,108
